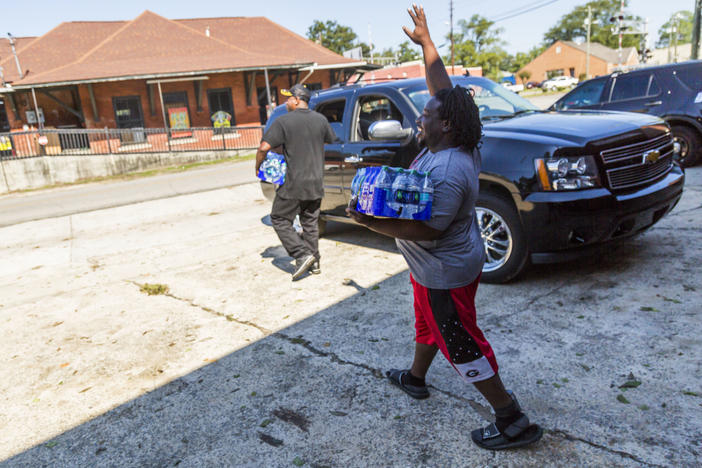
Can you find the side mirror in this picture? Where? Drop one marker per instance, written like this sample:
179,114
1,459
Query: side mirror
388,130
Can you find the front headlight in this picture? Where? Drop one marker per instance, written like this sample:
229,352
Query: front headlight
567,173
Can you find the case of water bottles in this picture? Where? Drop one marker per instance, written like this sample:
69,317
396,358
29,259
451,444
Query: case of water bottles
273,168
393,192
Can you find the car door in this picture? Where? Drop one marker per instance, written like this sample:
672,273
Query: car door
635,92
360,151
334,200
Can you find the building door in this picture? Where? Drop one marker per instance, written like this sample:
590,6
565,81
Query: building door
177,109
220,100
263,102
4,123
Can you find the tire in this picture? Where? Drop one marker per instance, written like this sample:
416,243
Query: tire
503,238
690,145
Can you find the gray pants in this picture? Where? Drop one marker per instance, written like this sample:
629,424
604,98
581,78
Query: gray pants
282,216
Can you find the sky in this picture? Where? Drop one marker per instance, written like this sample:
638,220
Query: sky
375,21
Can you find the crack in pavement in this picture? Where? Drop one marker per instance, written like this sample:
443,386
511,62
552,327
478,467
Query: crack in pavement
570,437
479,408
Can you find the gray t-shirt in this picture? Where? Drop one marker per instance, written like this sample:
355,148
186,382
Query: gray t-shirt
302,133
456,258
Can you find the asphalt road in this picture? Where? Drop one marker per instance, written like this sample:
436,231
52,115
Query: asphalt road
235,365
29,206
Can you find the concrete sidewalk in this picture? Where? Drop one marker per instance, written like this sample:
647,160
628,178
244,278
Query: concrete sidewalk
238,366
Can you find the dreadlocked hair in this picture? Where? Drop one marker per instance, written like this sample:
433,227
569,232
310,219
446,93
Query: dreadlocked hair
459,110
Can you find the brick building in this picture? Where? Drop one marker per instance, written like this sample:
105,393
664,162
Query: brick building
570,59
414,69
152,72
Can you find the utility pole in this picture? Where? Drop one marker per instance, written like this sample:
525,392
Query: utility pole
619,28
451,34
587,59
696,30
621,18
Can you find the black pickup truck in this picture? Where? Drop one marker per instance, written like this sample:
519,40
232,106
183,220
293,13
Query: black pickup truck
554,185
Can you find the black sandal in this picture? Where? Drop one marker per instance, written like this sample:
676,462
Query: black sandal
517,434
395,377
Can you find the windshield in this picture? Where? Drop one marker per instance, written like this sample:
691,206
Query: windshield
493,100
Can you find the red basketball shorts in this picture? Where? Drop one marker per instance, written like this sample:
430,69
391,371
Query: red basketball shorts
446,318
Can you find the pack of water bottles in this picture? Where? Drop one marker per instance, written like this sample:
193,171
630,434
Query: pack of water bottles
273,168
393,192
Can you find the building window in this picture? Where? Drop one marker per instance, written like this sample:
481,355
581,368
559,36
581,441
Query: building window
221,107
263,102
128,111
4,123
571,70
558,49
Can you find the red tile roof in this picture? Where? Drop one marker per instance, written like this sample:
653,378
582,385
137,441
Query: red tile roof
151,45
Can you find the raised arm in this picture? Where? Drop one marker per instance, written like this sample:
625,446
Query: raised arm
437,76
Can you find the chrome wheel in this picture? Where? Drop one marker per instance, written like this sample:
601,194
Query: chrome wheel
497,238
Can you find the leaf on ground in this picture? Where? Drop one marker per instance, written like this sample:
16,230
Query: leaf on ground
51,444
586,367
557,385
326,344
265,422
622,399
338,413
298,461
644,407
689,393
375,287
631,383
153,289
674,301
648,309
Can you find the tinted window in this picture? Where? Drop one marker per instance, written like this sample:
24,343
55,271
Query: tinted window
586,94
691,76
630,86
334,112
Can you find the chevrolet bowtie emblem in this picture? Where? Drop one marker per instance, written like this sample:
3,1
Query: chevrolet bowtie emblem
649,157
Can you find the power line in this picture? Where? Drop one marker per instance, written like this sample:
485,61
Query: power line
522,10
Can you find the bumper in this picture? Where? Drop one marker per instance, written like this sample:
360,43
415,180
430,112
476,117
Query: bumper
563,226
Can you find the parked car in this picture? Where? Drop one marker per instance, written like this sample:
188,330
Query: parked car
515,88
672,92
559,82
533,84
554,185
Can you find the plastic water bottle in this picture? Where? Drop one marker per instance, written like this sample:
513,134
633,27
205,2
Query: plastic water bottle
356,182
383,190
412,195
273,168
399,186
425,198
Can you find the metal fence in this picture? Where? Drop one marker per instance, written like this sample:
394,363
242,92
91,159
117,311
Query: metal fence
73,142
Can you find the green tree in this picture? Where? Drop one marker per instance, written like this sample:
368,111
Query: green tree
524,75
478,44
683,23
573,25
332,35
407,52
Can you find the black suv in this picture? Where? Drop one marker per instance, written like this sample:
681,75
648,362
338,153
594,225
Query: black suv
672,92
553,186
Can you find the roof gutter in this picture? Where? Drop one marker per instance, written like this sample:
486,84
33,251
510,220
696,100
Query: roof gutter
154,76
